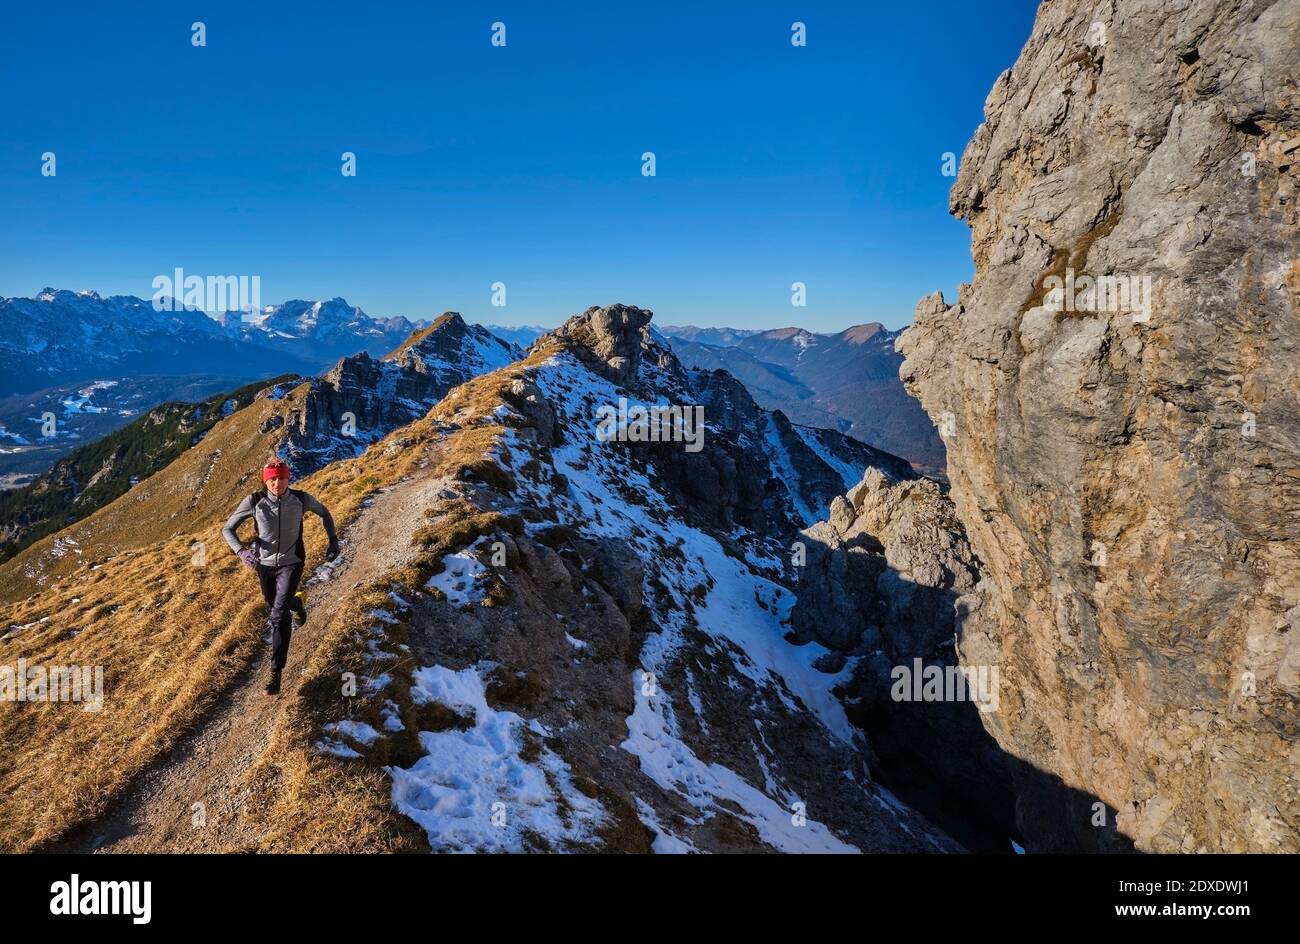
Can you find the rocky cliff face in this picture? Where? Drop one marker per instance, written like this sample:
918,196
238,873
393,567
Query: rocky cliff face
1124,458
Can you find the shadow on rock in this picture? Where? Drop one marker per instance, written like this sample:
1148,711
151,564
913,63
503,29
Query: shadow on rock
882,583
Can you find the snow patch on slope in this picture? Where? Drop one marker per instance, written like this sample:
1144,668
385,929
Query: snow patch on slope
472,791
461,580
674,766
741,606
784,469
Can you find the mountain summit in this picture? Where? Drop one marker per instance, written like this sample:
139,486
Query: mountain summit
360,400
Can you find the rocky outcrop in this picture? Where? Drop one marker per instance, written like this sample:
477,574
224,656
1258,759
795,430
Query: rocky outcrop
885,569
754,469
363,399
537,416
359,400
609,339
1119,395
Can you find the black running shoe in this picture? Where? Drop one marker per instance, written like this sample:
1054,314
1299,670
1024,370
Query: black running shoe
273,682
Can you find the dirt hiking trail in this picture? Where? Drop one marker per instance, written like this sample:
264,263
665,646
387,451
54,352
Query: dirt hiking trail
207,766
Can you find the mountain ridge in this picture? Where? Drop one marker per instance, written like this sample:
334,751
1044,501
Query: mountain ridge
613,567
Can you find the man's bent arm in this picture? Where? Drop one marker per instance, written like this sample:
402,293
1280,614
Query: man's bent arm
242,514
313,505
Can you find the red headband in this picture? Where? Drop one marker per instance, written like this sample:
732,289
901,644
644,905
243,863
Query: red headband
275,470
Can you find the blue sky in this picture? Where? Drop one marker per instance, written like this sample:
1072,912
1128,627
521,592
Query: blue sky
519,164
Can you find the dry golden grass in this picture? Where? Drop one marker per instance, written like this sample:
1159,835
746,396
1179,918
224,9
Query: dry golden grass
170,638
307,801
173,637
170,635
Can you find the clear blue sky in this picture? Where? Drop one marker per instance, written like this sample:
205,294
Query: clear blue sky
519,164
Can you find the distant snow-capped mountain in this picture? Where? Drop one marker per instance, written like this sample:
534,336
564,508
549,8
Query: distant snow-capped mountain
62,337
326,329
94,363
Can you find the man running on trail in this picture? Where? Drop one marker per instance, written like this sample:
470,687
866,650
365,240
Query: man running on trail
277,554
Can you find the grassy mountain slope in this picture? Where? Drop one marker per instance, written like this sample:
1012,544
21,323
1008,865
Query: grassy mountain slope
201,486
172,626
97,473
